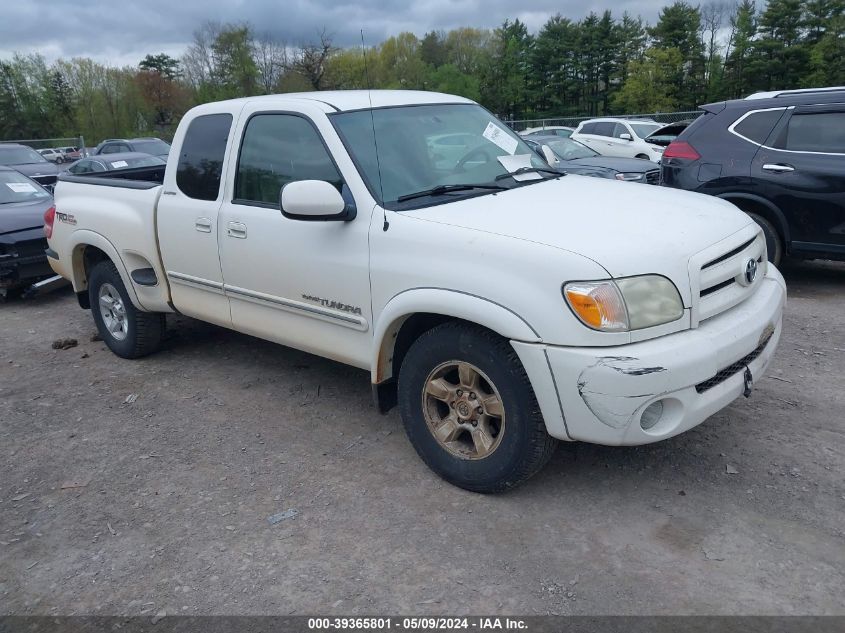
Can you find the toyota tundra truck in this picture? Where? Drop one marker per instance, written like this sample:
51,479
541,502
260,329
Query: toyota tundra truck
501,305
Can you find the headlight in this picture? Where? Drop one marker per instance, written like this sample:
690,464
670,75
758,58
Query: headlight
621,305
630,177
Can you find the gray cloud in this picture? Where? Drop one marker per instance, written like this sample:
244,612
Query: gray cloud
123,32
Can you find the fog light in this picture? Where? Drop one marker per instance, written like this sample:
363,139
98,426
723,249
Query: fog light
651,415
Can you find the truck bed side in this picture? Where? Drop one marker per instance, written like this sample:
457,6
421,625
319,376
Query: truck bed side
112,216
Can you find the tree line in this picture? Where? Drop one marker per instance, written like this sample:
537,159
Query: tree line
601,64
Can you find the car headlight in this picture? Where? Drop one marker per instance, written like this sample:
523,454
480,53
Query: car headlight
629,177
622,305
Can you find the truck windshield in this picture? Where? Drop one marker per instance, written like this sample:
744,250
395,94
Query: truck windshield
15,187
432,148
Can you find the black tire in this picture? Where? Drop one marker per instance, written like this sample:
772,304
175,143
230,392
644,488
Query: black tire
642,157
144,330
774,242
524,447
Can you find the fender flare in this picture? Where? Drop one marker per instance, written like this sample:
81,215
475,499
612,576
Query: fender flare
83,238
446,302
777,215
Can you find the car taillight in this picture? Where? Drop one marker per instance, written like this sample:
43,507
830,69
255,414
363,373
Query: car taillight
681,149
49,218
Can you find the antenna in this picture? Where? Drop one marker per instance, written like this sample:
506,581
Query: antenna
386,224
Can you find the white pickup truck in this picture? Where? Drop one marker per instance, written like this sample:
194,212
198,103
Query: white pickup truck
503,306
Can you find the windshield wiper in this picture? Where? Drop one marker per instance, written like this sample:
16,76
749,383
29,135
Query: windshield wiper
439,190
528,170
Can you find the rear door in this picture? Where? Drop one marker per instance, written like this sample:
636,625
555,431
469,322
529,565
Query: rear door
187,219
598,135
802,170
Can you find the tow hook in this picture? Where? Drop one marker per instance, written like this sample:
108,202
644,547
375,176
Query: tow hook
748,379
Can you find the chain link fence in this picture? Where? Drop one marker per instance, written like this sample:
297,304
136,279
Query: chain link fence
520,125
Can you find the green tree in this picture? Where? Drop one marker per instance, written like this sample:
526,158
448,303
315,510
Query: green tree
163,64
780,58
649,88
433,49
449,79
678,28
400,63
743,29
504,75
235,72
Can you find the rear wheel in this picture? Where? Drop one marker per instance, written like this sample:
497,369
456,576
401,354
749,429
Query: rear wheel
469,410
129,332
774,243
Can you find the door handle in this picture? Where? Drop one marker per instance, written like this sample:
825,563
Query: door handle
203,225
778,168
236,229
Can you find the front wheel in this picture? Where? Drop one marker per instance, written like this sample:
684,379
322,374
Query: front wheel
469,410
128,332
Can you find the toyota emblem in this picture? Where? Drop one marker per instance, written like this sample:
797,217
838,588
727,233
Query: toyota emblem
750,273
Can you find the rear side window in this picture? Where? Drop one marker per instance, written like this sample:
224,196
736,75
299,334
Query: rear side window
822,132
589,128
757,126
278,149
604,129
201,156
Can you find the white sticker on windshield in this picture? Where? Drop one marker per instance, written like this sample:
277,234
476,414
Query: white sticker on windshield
497,135
519,162
119,163
21,187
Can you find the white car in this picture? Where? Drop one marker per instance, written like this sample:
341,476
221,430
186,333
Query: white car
548,130
620,137
502,305
53,155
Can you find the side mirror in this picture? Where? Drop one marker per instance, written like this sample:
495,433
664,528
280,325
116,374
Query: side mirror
315,200
626,137
549,155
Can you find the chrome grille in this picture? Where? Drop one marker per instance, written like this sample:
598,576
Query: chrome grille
722,281
652,177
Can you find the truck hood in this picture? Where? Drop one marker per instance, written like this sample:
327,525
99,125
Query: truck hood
626,229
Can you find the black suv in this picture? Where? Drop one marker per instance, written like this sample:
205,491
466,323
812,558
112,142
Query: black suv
778,156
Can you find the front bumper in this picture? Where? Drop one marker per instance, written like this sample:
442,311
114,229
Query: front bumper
598,395
22,258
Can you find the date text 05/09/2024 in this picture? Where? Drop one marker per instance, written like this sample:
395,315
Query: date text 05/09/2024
416,624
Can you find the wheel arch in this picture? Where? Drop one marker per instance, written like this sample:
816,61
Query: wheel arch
751,203
411,313
87,250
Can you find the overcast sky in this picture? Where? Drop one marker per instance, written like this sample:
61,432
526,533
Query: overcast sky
123,31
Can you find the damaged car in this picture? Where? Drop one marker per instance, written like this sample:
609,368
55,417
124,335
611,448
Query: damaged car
23,205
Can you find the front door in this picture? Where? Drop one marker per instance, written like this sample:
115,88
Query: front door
301,283
804,175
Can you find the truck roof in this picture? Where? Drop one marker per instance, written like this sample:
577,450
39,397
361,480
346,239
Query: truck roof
346,100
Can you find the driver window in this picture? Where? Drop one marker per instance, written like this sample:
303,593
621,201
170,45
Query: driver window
278,149
621,129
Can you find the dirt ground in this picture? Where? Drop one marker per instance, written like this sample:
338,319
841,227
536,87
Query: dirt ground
135,487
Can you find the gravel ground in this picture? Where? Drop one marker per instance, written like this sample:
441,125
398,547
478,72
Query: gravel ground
135,487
